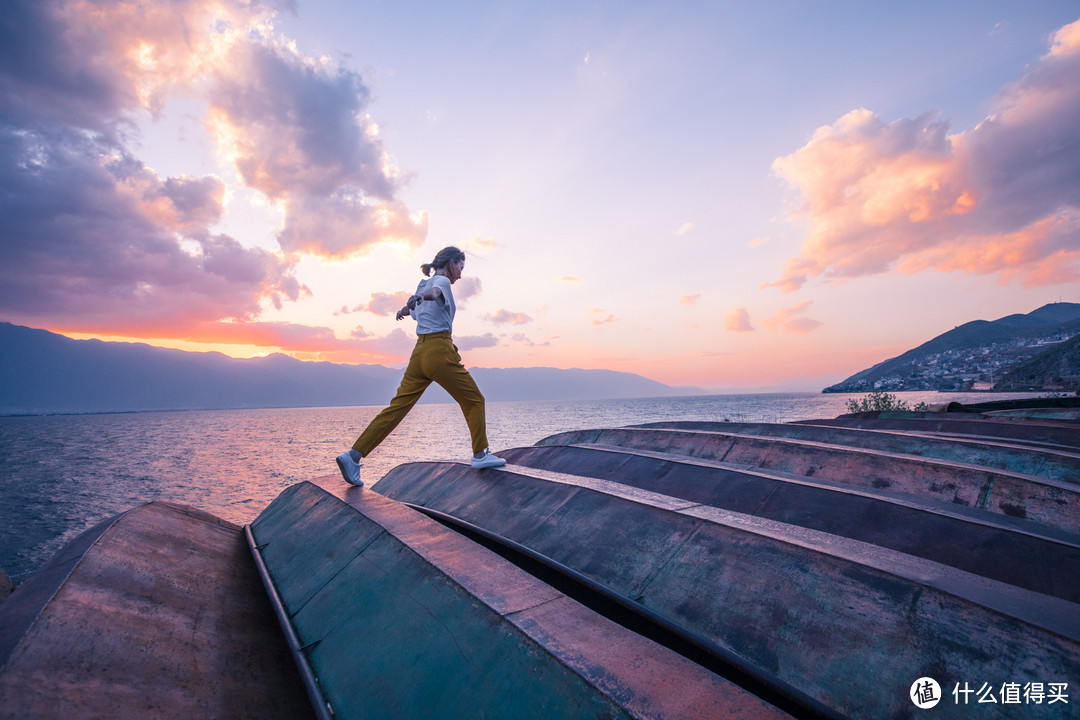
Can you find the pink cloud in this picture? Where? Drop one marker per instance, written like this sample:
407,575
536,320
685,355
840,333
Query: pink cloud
359,333
1002,197
184,204
792,320
523,339
472,342
1043,253
502,317
343,224
387,303
738,320
602,317
484,245
466,288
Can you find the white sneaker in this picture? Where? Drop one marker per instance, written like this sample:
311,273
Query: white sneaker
350,469
487,460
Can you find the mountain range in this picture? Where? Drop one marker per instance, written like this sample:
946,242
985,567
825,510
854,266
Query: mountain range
46,373
1039,351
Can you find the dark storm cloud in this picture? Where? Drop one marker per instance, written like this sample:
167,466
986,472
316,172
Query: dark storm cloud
94,240
89,242
52,74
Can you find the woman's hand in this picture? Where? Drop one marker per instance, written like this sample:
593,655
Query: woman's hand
404,312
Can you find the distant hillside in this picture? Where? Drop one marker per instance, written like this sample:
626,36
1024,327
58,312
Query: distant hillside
1055,369
42,372
976,354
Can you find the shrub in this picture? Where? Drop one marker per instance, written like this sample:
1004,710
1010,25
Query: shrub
882,402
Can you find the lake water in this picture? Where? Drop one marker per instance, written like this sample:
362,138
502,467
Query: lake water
60,475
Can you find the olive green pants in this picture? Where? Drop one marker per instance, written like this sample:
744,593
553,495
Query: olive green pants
434,359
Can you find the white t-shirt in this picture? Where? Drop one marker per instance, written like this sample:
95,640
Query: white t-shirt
434,316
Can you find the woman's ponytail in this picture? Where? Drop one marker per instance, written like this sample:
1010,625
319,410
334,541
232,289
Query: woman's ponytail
445,256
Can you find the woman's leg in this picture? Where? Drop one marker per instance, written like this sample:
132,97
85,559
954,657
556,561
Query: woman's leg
443,365
412,386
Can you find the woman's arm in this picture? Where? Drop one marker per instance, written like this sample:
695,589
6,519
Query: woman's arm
429,294
432,292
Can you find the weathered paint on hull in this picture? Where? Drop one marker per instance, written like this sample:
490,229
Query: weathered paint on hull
404,618
157,613
851,622
1059,434
1045,500
1017,552
1046,462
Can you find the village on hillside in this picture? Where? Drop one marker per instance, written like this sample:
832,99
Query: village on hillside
997,366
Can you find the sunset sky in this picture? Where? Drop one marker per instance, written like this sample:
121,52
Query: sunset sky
730,195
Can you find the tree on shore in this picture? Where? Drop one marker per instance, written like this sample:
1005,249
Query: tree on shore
883,402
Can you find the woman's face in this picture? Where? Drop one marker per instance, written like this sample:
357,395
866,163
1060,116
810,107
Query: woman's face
455,269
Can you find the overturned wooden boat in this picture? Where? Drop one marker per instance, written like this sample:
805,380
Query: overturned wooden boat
813,569
157,612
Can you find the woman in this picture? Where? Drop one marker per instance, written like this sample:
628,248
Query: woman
434,359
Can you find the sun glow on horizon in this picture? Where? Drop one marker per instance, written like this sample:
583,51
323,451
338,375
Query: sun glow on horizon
241,352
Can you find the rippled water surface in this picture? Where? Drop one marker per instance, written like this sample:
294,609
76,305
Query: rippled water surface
60,475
